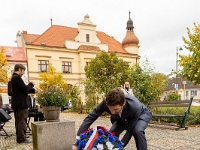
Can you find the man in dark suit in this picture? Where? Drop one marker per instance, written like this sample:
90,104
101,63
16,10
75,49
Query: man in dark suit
33,109
20,104
127,113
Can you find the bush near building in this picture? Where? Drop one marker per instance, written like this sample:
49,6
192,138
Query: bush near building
193,118
172,97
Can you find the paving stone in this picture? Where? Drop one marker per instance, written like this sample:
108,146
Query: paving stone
158,138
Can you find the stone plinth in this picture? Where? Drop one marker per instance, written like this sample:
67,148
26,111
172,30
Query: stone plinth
53,135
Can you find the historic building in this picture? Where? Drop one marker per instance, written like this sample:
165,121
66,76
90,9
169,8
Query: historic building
70,49
186,88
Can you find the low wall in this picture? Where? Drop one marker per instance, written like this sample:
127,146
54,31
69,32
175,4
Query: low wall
53,135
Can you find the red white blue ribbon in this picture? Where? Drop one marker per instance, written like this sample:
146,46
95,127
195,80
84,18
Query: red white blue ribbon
92,140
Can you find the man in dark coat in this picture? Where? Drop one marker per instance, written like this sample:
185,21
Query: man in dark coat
33,109
127,113
20,103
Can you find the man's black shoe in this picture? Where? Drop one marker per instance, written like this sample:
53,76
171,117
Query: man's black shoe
26,141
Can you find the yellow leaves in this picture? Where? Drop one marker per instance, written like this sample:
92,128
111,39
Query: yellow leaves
51,78
190,63
4,68
196,27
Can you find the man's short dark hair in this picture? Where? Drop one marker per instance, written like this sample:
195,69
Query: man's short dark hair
115,97
19,66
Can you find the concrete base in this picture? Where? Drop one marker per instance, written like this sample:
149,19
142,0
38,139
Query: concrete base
53,135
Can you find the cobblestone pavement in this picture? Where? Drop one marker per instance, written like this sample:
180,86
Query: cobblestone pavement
158,138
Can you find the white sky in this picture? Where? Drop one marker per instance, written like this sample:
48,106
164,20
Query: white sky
159,24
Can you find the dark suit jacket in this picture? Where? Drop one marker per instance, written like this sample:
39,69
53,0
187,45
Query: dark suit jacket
30,104
132,112
20,92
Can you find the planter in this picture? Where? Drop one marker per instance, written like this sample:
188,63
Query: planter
51,113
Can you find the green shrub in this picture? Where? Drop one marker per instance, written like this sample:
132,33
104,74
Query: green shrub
172,97
193,118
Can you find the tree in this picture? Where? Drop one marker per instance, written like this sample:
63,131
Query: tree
91,93
74,96
191,62
51,78
4,67
106,71
158,85
146,84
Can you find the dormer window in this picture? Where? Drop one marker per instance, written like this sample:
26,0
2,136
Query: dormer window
87,38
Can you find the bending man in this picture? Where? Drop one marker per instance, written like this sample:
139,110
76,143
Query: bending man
127,113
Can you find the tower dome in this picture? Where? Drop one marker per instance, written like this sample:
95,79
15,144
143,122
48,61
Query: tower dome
130,38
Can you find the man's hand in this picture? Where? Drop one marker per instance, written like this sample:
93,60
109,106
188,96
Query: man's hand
74,147
32,82
36,91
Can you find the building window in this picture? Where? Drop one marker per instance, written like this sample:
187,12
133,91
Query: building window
87,38
43,65
186,93
66,67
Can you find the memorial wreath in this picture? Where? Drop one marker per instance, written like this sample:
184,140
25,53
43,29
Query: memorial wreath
98,138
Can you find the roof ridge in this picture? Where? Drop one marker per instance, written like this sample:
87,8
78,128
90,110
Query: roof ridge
41,35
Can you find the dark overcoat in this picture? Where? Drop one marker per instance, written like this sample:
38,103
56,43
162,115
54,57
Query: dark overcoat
20,92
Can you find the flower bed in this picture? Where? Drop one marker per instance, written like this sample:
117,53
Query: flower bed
98,138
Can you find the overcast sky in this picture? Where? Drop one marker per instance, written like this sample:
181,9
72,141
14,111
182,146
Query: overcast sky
158,24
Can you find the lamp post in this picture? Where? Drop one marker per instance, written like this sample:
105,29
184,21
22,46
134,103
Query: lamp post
184,83
176,83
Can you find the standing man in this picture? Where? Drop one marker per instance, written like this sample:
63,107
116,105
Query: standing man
127,90
20,103
127,113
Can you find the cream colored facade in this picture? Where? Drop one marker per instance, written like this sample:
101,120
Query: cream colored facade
57,56
70,53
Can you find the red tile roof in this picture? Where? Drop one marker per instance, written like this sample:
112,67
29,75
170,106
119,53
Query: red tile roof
56,36
113,45
14,54
30,37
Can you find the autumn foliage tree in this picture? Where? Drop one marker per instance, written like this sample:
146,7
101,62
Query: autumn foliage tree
51,78
4,67
191,62
145,83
